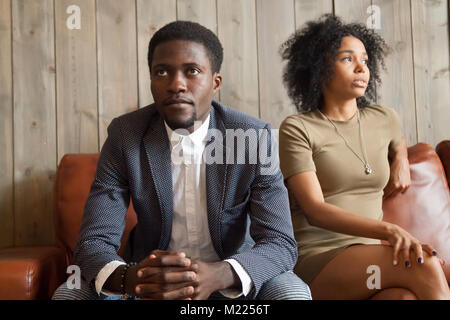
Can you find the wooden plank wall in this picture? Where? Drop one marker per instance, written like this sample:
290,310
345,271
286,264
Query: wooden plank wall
62,84
34,119
6,129
431,70
76,81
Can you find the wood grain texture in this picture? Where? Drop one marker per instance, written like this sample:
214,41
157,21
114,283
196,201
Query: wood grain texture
201,11
6,129
431,70
117,61
352,10
397,89
237,33
151,16
34,120
307,10
275,104
76,81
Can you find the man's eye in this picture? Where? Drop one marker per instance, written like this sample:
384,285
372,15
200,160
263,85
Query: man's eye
161,72
193,71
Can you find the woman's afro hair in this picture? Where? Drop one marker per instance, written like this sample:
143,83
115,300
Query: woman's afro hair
311,51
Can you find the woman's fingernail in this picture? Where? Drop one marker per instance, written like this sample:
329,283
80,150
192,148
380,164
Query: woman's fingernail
395,262
407,264
139,274
420,260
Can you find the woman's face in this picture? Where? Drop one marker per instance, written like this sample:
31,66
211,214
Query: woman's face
351,73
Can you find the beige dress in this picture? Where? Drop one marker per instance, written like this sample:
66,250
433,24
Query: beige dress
309,142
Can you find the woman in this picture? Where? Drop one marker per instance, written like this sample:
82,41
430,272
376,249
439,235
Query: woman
337,156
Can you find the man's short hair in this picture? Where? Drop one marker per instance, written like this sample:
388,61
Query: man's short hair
189,31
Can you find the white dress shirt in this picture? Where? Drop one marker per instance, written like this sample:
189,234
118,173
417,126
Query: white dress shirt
190,231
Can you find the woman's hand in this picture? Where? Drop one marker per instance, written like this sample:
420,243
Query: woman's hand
403,243
400,177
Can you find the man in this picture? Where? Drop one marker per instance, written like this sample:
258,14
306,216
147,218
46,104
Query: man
191,240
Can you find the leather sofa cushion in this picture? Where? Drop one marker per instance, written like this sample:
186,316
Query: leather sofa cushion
31,272
424,209
73,180
443,150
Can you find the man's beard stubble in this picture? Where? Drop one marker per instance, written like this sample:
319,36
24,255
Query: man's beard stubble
181,124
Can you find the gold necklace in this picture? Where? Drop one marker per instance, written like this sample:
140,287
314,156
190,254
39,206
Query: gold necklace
367,168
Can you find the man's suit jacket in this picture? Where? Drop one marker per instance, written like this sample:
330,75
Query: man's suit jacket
135,161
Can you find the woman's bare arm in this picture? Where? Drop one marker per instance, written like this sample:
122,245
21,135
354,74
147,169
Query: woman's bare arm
309,196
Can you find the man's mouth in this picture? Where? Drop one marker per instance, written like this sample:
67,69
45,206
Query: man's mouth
177,102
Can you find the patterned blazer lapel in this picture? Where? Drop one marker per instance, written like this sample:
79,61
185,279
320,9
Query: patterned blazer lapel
157,147
216,177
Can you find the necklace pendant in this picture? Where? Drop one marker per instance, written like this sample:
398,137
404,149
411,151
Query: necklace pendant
368,169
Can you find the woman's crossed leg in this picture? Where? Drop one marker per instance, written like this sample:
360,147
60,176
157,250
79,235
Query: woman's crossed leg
348,276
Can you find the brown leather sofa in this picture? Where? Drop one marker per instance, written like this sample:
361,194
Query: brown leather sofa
443,150
35,272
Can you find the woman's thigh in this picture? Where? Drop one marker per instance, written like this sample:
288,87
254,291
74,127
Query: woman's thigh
360,271
394,294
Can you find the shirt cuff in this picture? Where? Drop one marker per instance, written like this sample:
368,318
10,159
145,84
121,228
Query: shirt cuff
246,281
104,274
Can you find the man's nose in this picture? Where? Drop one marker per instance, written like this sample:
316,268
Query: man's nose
177,83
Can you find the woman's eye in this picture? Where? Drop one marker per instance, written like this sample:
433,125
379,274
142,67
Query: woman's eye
349,59
161,72
365,61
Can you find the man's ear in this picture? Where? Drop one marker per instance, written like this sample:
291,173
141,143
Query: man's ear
217,79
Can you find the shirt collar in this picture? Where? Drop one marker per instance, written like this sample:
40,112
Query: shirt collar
198,137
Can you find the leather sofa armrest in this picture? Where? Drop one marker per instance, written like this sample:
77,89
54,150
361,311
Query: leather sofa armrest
443,151
28,273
